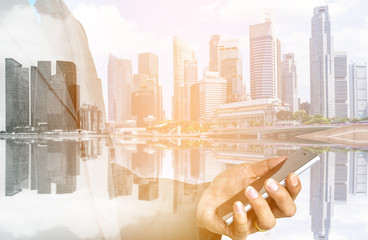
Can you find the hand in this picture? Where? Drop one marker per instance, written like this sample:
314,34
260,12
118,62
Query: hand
230,182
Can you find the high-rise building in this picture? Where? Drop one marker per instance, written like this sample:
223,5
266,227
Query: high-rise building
341,85
181,53
322,81
358,90
212,94
68,71
265,53
40,80
143,105
17,95
213,50
67,39
230,68
190,78
194,102
280,84
290,82
119,89
148,64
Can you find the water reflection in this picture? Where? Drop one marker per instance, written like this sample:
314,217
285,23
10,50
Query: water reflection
149,189
336,176
37,165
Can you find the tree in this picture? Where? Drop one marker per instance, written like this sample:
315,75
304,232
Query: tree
300,115
284,115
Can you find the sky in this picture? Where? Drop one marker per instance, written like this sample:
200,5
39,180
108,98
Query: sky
126,28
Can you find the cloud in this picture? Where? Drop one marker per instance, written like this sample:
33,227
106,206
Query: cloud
21,38
108,32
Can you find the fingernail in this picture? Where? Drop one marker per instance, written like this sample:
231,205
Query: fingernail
239,208
251,192
294,180
272,185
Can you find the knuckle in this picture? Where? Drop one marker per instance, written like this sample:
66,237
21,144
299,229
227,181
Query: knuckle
270,223
291,211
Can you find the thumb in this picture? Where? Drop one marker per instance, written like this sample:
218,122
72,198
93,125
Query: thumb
240,226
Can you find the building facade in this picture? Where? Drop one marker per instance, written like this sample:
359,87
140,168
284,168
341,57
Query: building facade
264,60
253,113
181,52
358,90
119,89
322,81
212,94
289,82
341,85
230,68
17,95
213,50
190,78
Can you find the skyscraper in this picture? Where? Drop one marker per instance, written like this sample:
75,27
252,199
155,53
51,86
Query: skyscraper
341,85
17,95
358,90
190,78
40,80
181,53
230,68
322,81
264,52
119,89
212,94
289,82
68,40
213,50
280,84
148,64
68,71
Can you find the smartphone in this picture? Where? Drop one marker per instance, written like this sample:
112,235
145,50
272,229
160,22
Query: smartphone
297,162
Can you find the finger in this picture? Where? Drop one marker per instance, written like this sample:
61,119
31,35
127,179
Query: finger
265,218
293,185
240,226
262,167
282,199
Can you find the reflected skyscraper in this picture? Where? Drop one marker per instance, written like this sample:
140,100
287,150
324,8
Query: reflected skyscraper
322,183
38,165
336,176
322,80
17,167
358,173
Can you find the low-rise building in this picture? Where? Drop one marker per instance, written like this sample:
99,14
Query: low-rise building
252,113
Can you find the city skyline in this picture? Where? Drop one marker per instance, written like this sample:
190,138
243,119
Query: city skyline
158,42
183,95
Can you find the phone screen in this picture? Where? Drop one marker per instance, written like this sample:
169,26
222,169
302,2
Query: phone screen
297,163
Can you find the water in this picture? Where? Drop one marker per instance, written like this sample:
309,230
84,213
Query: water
102,188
